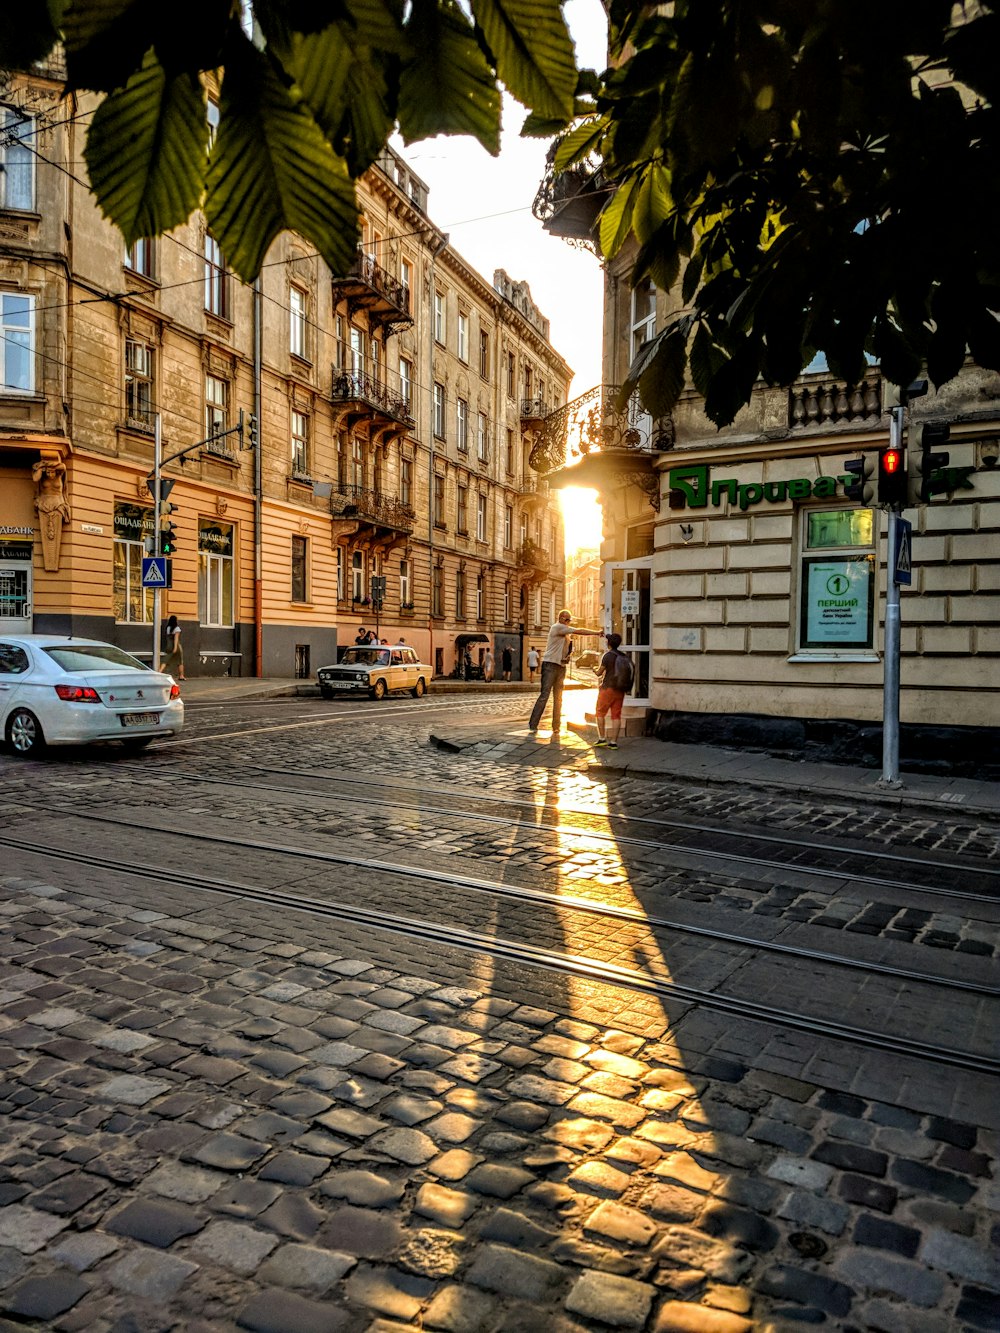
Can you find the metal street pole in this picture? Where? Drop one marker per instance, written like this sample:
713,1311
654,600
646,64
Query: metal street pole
157,463
890,680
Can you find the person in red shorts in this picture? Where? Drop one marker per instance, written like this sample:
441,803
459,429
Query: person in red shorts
616,675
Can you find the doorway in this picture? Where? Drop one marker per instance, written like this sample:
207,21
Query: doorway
15,596
627,604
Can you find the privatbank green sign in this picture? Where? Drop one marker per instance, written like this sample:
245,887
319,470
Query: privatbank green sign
692,488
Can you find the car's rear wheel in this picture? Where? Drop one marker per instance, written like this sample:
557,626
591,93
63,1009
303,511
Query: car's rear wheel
24,733
136,743
379,690
420,689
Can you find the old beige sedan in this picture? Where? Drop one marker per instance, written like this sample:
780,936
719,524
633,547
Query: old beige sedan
375,672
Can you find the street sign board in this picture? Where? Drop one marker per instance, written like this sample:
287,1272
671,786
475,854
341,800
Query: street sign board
155,571
903,557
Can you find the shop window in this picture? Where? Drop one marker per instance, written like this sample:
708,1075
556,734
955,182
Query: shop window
133,527
215,573
837,587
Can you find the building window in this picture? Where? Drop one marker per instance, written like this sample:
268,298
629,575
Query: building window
133,527
357,463
406,382
523,535
538,606
506,603
509,463
357,576
837,583
300,568
405,281
528,383
460,594
17,164
484,355
406,481
138,385
437,591
463,509
298,343
216,406
439,317
463,337
511,377
480,518
480,597
643,314
17,343
462,424
139,257
357,352
508,526
215,573
438,500
482,435
216,280
300,444
340,573
376,361
439,410
405,584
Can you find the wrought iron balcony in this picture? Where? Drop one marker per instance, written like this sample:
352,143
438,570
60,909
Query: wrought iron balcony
568,203
372,507
535,492
533,409
594,424
369,287
532,559
371,396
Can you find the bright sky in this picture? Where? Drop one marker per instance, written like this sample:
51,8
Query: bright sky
484,204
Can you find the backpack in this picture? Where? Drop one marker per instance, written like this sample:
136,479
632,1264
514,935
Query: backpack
622,673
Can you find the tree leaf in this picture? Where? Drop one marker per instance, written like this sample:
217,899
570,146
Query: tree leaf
320,63
577,144
616,218
662,381
146,151
271,163
369,119
652,202
447,87
533,51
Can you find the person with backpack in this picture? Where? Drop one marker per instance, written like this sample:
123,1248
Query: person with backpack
616,673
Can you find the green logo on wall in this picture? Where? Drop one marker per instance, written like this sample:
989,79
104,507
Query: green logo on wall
692,488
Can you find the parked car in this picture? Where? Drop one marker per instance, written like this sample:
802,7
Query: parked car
588,660
376,671
60,690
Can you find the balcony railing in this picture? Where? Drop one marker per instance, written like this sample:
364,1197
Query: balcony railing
384,511
593,423
823,401
531,556
368,286
568,203
375,394
533,408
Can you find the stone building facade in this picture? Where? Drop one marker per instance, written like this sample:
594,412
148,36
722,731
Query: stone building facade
380,477
752,589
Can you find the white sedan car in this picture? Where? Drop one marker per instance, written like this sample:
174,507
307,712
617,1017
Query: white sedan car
60,690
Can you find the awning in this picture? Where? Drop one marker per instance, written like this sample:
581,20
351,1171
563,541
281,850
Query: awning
462,639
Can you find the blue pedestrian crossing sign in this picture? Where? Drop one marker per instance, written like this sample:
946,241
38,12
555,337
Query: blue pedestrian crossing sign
155,571
903,558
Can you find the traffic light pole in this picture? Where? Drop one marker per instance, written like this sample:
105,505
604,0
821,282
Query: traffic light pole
890,678
157,468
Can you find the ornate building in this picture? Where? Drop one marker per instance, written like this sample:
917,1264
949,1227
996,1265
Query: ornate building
344,451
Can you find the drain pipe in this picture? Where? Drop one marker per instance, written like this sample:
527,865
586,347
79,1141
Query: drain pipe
258,489
437,246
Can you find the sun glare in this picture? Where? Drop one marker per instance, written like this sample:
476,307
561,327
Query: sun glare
581,518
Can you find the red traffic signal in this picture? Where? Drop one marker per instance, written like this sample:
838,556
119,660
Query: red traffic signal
891,476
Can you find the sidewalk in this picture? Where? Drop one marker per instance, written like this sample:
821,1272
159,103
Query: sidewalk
648,757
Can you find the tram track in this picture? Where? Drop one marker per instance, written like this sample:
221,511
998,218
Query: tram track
553,819
497,946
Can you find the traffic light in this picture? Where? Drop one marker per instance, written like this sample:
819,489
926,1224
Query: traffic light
891,476
168,530
862,487
924,438
252,430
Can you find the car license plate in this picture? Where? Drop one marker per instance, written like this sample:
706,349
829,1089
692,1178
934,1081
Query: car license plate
140,719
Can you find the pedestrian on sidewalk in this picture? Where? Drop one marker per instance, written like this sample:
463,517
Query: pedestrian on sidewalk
488,666
173,663
506,663
558,651
616,673
532,664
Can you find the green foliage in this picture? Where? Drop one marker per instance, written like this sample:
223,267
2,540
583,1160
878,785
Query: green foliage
819,177
305,108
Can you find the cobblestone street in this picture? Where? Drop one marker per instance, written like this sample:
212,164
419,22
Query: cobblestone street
227,1114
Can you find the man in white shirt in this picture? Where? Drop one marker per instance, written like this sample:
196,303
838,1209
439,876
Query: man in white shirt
558,649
